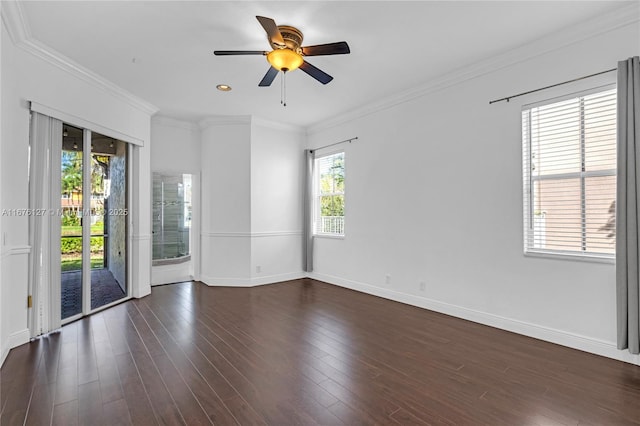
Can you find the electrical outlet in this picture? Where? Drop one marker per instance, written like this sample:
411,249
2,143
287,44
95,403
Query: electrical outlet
387,279
258,269
423,286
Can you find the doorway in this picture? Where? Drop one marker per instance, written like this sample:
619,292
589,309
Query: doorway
93,222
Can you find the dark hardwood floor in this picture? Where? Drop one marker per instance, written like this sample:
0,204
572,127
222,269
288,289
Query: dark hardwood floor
303,352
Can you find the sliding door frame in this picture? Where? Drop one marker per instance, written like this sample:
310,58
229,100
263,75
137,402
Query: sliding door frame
86,230
86,222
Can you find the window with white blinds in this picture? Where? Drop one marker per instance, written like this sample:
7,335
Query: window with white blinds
569,160
329,195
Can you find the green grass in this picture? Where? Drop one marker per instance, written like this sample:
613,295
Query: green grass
73,261
75,264
96,229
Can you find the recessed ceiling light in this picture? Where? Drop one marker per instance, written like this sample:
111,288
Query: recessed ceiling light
223,87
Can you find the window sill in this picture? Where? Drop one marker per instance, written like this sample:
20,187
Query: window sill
329,236
572,257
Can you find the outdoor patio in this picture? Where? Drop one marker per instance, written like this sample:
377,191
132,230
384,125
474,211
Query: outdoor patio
104,290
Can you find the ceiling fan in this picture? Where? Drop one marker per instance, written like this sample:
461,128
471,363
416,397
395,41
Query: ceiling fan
288,53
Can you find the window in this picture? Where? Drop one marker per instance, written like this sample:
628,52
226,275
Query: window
569,160
329,194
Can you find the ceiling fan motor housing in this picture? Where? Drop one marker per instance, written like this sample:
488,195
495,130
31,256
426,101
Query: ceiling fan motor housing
292,38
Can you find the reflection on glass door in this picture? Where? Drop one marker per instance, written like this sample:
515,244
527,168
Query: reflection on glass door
93,225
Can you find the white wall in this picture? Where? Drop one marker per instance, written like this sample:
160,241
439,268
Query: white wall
177,149
226,201
434,194
27,77
140,233
14,141
176,145
276,208
251,211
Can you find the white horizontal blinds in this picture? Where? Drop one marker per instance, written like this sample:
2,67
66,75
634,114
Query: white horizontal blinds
329,184
569,153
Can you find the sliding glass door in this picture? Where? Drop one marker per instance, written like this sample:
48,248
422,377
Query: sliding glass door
94,217
71,182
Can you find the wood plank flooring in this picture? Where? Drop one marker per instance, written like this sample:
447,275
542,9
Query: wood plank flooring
303,352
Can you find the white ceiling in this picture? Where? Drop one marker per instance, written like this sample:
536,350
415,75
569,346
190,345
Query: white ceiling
162,51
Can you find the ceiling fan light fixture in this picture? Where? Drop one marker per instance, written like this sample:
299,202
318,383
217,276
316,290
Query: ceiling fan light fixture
288,52
284,59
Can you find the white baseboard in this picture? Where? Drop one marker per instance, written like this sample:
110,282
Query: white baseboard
270,279
560,337
172,280
250,282
15,339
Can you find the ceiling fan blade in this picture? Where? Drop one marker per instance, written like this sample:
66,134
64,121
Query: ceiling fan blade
268,77
272,30
316,73
338,48
239,52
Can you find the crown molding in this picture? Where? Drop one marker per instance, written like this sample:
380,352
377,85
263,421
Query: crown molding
224,120
14,21
623,16
164,120
263,122
20,34
231,120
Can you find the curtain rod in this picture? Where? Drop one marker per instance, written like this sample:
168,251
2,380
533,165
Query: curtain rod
336,143
549,87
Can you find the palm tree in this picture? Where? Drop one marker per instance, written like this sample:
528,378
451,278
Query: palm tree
610,226
71,173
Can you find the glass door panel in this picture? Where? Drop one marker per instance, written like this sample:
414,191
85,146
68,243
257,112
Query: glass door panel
171,218
71,221
108,220
93,201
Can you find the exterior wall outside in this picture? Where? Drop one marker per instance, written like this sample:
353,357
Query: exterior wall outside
117,249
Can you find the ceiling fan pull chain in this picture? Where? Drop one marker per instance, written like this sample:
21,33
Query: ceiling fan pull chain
284,87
